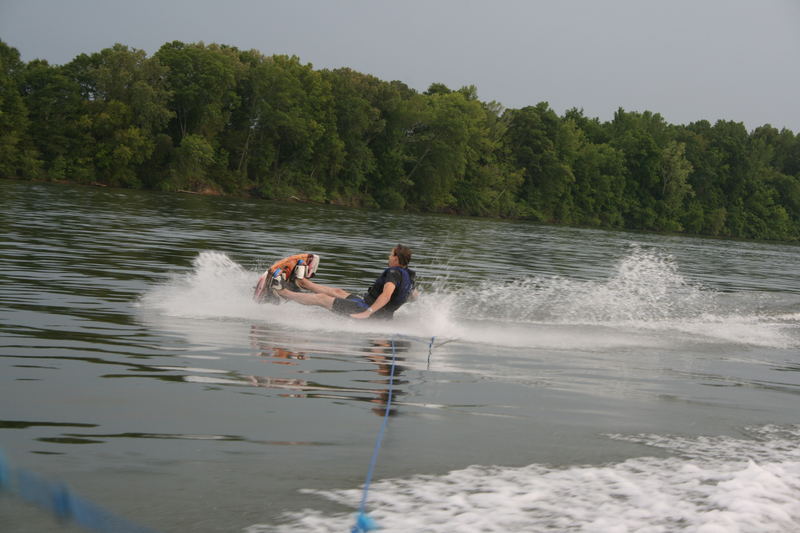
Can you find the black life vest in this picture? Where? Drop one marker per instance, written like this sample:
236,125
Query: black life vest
401,292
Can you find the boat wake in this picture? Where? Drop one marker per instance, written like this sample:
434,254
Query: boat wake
749,484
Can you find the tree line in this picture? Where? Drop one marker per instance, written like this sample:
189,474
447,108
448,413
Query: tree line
213,118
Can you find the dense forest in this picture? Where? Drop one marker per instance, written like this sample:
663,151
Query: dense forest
216,119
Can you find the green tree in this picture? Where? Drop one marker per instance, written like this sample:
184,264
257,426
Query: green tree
641,137
439,147
61,126
202,81
593,130
193,158
706,212
358,123
284,134
600,185
675,170
124,106
545,147
490,184
17,156
401,110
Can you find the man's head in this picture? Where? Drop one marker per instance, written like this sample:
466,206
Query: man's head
402,254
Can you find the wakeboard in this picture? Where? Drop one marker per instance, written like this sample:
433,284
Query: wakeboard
284,273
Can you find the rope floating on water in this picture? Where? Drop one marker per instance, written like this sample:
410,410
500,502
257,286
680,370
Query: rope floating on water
363,522
65,505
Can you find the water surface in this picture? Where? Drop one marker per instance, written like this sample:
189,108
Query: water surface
548,378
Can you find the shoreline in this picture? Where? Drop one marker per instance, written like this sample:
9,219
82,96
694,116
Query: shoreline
210,192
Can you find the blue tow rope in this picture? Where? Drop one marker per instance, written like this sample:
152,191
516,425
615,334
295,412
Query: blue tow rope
430,349
62,502
363,522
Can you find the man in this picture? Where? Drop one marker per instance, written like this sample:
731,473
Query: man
392,289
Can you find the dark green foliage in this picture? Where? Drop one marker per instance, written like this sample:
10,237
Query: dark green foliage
214,118
17,155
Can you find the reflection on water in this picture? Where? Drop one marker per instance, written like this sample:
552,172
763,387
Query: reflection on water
381,353
384,353
25,424
283,356
91,438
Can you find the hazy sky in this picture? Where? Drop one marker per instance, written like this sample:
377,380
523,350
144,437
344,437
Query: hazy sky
686,59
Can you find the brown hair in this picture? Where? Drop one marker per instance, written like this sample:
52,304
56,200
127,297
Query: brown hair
403,254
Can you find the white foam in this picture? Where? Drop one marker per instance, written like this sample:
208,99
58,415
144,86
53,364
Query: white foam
647,293
217,287
720,484
646,303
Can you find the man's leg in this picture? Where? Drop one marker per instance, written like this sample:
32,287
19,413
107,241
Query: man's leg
309,285
304,298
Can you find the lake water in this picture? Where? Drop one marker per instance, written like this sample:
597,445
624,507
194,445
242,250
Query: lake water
548,379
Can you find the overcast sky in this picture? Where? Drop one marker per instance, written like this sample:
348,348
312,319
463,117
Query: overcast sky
686,59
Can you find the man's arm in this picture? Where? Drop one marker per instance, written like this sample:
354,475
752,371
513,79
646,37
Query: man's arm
383,299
